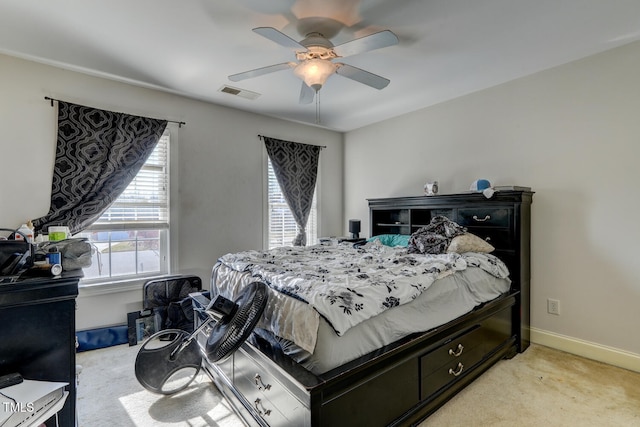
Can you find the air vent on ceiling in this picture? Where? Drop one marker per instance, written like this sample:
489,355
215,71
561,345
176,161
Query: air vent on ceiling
239,92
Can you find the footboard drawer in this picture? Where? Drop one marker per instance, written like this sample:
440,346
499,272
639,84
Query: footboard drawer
375,400
446,363
458,355
269,398
452,349
434,380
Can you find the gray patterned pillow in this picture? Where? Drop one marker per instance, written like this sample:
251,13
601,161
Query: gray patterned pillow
436,237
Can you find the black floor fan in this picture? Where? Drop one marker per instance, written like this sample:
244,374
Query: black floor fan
170,359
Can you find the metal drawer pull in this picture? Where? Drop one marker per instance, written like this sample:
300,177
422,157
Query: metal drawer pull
458,370
260,384
457,352
486,218
262,412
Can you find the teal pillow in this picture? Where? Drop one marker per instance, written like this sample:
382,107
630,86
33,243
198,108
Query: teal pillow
392,239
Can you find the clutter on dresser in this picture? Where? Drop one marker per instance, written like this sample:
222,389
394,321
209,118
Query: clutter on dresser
16,252
22,254
74,253
25,232
57,233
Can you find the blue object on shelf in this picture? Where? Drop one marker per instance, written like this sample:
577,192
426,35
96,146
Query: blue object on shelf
480,185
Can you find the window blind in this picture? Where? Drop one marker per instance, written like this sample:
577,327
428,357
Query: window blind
145,202
282,225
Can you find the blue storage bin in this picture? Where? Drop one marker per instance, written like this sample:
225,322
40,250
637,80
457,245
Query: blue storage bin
102,337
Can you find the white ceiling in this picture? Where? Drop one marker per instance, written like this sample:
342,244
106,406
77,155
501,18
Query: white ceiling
447,48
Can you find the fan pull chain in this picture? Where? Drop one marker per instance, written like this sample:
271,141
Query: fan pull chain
318,107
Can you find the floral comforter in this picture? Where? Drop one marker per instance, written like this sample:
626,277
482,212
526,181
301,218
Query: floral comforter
347,285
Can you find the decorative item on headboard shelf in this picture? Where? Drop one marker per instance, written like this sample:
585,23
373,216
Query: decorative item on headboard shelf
431,188
483,186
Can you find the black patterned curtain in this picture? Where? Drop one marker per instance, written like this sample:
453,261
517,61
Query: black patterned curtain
98,153
296,168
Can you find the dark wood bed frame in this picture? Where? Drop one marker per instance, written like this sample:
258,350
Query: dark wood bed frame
404,382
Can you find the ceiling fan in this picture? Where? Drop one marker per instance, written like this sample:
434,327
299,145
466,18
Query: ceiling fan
315,55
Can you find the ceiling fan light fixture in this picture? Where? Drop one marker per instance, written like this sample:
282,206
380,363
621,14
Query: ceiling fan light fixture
315,72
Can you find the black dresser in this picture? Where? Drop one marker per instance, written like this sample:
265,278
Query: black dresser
37,333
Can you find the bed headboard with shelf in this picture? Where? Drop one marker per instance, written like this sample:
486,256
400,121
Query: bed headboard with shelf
504,220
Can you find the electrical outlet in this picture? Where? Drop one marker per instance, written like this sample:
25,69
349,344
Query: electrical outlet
553,306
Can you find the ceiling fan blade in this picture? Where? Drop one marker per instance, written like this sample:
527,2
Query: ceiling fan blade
278,37
306,94
261,71
362,76
364,44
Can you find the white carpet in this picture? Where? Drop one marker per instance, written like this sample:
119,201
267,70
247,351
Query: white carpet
540,387
549,388
109,395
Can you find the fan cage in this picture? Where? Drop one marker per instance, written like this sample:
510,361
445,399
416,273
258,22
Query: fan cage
240,326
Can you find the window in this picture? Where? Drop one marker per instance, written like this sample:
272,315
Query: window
282,226
132,237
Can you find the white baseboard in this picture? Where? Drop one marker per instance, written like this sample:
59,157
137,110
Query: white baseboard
601,353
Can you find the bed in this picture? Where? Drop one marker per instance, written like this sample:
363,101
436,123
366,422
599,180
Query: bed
380,334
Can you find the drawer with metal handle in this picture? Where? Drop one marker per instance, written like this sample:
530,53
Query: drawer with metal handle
440,377
451,350
271,401
458,355
499,238
268,398
486,217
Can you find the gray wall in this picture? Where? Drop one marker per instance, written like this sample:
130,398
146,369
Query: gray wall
217,186
572,133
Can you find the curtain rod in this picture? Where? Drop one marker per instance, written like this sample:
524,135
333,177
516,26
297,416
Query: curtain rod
321,146
170,121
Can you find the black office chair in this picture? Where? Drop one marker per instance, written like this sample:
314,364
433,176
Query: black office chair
168,297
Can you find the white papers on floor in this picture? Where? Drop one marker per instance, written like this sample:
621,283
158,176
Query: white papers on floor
31,402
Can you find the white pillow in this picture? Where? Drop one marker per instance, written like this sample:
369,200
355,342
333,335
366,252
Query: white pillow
468,242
